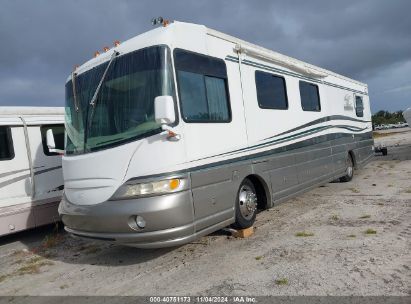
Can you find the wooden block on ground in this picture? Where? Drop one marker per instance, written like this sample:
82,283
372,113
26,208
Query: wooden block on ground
244,233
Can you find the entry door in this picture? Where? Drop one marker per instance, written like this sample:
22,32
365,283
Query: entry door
48,175
212,111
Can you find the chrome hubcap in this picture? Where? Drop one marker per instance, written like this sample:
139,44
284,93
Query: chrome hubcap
248,202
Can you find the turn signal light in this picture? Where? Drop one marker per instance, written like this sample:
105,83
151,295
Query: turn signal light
174,183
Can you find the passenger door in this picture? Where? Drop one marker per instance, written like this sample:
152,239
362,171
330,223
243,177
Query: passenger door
48,174
211,108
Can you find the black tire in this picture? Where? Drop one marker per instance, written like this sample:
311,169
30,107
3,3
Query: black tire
349,170
245,205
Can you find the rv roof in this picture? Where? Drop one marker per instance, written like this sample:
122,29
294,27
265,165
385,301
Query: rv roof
128,45
28,111
280,56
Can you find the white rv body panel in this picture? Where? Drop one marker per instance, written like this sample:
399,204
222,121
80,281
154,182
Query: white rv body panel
407,116
284,151
31,182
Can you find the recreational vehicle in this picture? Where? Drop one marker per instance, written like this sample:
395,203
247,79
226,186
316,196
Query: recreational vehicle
407,116
31,178
184,130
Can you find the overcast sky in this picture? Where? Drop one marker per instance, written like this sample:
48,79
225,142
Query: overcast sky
367,40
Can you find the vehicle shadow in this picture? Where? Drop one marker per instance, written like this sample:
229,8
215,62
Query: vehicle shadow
52,243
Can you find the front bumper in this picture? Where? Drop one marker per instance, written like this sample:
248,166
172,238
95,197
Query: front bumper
169,220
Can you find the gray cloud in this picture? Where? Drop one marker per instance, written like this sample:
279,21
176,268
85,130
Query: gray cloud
368,40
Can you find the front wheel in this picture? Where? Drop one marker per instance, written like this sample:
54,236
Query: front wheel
349,169
246,205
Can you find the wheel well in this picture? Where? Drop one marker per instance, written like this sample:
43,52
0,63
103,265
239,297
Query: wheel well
352,155
263,192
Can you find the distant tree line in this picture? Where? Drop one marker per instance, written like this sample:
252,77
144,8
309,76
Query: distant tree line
385,117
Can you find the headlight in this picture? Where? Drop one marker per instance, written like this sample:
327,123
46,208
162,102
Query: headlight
150,188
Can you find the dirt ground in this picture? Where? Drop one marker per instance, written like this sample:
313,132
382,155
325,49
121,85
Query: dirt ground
340,239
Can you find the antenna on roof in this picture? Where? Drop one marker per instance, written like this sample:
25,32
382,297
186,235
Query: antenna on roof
160,21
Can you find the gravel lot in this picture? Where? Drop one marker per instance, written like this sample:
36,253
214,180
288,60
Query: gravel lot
356,241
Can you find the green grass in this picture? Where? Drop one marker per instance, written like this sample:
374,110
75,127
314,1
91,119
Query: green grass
3,277
282,281
365,216
304,234
354,190
408,190
351,236
335,217
370,231
33,266
258,257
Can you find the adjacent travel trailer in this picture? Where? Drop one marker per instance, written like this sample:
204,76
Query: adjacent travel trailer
184,130
407,115
31,178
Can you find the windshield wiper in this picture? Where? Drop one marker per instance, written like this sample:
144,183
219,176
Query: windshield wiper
94,99
73,82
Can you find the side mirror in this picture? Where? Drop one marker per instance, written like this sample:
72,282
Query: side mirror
164,111
50,140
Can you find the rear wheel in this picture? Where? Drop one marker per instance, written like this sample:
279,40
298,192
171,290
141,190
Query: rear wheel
246,205
349,169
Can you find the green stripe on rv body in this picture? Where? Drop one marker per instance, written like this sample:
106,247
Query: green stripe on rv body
275,140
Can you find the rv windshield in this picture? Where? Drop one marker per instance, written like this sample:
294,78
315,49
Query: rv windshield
124,109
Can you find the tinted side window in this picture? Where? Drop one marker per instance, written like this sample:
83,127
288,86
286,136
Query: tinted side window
359,106
310,97
6,144
271,91
202,82
58,132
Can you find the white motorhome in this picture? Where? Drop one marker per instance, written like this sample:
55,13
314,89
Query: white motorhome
31,178
183,130
407,116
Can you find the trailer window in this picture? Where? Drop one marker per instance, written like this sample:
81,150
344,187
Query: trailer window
6,144
359,106
202,83
58,132
310,97
271,91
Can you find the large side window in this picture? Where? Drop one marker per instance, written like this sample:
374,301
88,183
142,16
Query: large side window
6,144
271,91
203,89
58,132
310,97
359,106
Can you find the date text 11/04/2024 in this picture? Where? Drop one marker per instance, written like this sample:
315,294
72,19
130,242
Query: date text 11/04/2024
202,299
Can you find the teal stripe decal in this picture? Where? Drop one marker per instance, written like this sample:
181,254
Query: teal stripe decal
286,139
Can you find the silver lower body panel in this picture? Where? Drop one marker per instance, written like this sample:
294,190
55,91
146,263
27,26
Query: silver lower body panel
179,218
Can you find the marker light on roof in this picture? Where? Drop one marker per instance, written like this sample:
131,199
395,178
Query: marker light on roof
106,49
96,53
160,21
116,43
